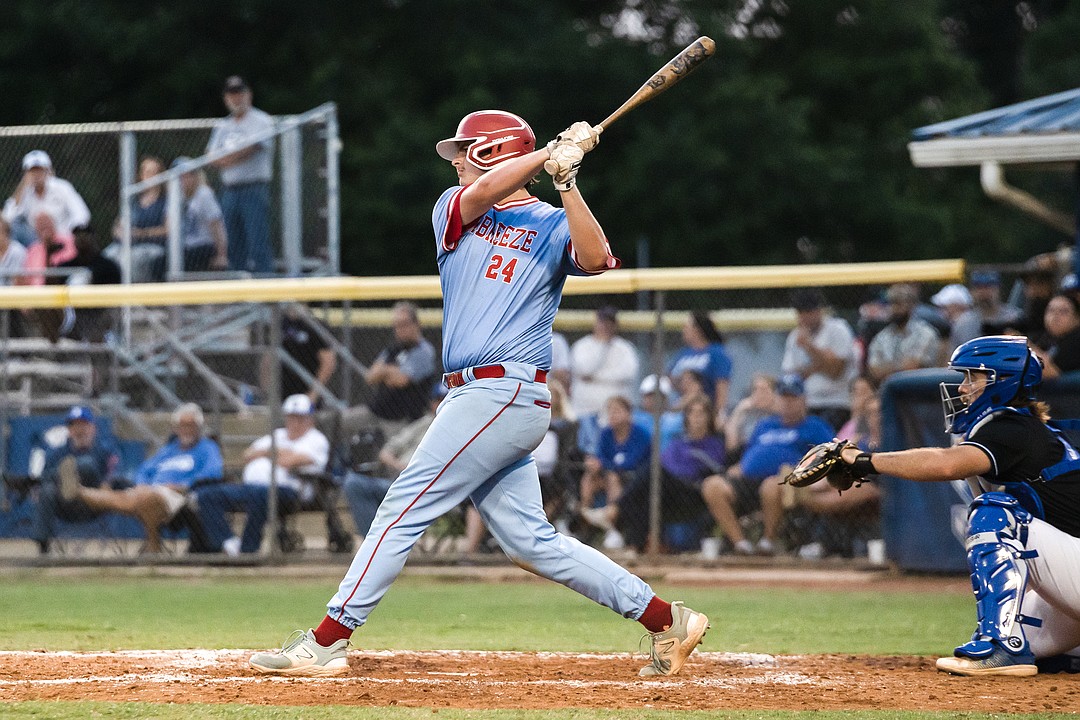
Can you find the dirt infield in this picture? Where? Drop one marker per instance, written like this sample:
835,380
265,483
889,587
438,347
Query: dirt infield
511,680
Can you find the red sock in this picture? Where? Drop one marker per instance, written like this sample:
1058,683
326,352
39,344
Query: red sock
657,616
330,631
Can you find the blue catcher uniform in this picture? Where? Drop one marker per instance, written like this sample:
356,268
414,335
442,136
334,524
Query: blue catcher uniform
502,277
1023,541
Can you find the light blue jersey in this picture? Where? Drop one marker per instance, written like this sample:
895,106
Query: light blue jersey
502,279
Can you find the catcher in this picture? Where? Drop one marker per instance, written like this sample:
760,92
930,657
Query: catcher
1023,537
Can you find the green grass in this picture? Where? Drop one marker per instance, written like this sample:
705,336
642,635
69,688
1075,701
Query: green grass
138,711
111,610
115,612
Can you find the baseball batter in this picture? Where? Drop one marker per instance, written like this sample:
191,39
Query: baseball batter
1023,539
503,257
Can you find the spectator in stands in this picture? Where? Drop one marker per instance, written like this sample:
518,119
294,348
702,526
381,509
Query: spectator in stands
40,191
776,444
163,481
304,344
995,315
84,459
821,350
863,392
556,458
12,256
690,385
560,360
295,449
907,342
1037,281
956,303
245,177
51,248
202,225
148,230
365,492
621,458
402,373
1059,345
148,208
602,365
703,352
656,396
762,402
89,324
688,463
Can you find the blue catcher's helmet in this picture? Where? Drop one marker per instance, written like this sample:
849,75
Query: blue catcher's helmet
1014,374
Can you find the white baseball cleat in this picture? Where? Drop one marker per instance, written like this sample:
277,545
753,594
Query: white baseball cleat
671,647
303,656
999,662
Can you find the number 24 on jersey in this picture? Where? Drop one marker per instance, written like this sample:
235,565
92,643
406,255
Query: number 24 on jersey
496,269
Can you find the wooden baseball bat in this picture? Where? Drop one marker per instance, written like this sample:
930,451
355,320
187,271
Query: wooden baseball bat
675,70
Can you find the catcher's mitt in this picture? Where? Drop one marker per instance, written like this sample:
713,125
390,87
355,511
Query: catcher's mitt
822,462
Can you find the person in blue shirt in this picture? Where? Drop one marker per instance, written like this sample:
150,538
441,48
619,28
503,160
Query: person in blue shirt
777,441
703,352
622,456
689,461
162,482
84,461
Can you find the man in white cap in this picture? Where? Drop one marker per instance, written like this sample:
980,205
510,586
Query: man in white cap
41,191
958,306
297,448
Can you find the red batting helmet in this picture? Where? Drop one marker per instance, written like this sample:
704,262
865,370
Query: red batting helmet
492,135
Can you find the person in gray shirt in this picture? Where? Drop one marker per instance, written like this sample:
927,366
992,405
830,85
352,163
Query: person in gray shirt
201,225
245,178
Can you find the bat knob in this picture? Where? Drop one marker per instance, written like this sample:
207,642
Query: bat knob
551,166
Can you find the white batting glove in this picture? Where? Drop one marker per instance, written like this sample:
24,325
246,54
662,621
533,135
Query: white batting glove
582,134
563,165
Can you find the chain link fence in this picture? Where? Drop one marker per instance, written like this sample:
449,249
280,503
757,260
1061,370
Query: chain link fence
102,161
675,413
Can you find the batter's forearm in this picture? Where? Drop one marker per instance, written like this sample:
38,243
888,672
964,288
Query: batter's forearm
590,243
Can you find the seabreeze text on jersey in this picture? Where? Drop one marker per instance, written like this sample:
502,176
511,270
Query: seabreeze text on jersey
502,235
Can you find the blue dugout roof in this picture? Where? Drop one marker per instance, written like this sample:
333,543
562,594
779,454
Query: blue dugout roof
1045,129
1049,114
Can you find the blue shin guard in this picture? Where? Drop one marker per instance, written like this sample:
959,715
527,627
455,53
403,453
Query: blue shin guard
997,534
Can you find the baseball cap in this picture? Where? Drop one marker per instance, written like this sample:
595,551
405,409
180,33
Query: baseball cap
807,299
79,412
1070,283
791,384
235,83
36,159
985,277
652,383
298,404
954,294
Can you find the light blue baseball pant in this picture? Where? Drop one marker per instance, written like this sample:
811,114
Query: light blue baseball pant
479,446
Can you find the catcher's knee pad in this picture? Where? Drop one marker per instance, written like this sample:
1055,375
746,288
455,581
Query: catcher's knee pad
996,553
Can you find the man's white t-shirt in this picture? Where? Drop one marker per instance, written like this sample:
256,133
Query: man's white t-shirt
312,443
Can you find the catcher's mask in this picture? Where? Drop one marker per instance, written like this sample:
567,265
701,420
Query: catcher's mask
1013,373
492,136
